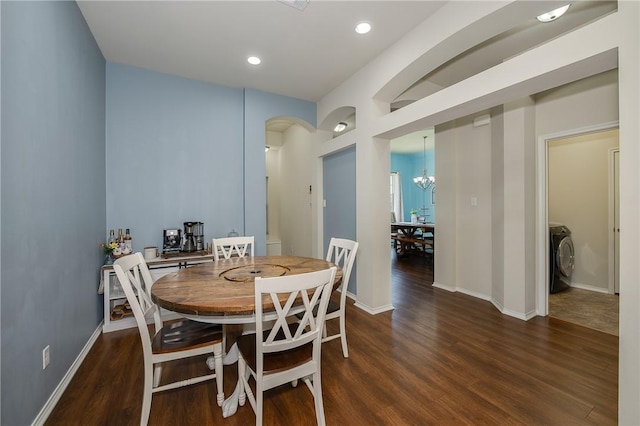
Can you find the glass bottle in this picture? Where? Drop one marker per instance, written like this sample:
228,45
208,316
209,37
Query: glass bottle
120,239
128,242
112,237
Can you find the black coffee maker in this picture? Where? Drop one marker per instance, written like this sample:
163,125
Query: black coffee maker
193,237
188,242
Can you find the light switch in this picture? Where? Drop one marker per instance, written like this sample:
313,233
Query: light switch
474,201
324,203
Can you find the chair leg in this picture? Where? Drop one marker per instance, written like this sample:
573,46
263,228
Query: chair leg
147,394
343,335
259,396
317,399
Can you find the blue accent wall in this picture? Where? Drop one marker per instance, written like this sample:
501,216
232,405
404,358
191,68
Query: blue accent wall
410,166
174,154
88,146
52,199
339,184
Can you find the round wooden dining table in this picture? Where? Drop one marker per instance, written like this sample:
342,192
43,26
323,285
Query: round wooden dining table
223,291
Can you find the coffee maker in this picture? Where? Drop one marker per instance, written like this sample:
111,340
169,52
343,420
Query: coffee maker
188,243
171,241
198,235
193,236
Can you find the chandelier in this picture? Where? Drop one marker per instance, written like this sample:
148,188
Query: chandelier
425,181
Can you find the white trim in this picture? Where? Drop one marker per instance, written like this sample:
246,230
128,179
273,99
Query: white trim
48,407
446,287
591,288
473,294
542,219
611,211
373,311
456,289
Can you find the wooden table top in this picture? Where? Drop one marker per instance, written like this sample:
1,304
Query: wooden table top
409,225
225,287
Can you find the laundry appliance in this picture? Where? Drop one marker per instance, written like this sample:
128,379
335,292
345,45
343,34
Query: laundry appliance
562,258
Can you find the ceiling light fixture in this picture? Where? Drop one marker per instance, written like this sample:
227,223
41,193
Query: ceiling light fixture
425,181
363,28
266,148
254,60
554,14
298,4
340,127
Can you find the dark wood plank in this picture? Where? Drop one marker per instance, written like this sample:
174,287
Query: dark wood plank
438,358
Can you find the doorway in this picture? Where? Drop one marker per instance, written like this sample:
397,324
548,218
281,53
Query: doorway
579,180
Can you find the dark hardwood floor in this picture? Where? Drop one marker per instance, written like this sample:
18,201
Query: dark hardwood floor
438,358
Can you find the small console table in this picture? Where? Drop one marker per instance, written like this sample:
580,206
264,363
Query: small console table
116,316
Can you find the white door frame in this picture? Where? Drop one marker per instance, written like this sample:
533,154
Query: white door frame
613,206
542,212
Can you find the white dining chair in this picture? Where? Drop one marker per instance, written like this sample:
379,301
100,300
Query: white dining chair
230,246
288,351
169,342
342,252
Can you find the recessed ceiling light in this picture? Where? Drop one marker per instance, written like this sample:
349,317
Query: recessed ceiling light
253,60
298,4
363,28
554,14
340,127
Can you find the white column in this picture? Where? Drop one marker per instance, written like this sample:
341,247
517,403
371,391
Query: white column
629,101
519,209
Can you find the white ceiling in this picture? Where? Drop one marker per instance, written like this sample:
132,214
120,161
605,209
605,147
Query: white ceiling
305,54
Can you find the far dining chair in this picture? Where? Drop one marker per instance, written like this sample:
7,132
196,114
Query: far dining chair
342,252
172,341
229,246
288,351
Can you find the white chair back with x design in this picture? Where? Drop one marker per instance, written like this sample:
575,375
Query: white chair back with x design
342,252
288,351
230,246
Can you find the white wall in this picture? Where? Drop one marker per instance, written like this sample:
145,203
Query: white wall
579,104
274,140
591,49
295,199
578,198
466,153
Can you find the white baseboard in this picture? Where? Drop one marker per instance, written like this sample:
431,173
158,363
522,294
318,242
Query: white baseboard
444,287
522,316
44,413
374,311
456,289
590,288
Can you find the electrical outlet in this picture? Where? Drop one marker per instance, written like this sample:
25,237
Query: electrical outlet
45,357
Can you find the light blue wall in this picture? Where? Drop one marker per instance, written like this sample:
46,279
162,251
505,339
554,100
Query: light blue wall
184,150
87,147
259,108
174,154
339,184
52,198
410,166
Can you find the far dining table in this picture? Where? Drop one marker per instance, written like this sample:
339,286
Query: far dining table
410,237
222,292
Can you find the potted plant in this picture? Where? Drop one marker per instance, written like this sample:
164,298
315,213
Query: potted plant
414,216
